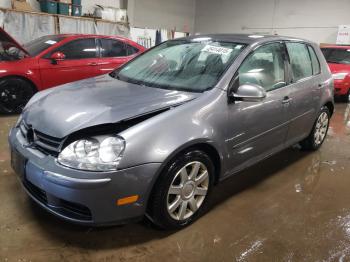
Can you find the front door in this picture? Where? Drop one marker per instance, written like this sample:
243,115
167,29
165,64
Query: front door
258,129
80,62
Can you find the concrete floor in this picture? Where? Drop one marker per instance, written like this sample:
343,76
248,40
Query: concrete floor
292,207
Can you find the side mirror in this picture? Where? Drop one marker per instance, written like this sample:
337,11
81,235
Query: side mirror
57,56
249,93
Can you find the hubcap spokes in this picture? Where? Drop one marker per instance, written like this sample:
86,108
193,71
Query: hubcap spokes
321,128
187,190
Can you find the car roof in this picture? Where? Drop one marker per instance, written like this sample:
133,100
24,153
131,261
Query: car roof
244,38
72,36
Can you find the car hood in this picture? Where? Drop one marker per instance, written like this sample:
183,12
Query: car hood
63,110
6,39
339,68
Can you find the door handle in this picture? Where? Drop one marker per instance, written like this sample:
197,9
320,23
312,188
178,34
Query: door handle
286,100
93,64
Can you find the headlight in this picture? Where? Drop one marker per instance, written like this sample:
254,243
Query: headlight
339,76
101,153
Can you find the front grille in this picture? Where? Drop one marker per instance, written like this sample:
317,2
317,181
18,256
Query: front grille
48,145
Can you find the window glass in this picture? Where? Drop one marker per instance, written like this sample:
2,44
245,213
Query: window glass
112,48
131,50
315,63
264,67
79,49
193,66
337,55
300,60
40,44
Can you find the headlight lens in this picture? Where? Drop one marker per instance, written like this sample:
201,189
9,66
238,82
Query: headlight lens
101,153
339,76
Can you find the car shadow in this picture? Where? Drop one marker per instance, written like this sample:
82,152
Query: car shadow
132,234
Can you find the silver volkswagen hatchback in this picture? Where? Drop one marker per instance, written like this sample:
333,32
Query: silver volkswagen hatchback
155,136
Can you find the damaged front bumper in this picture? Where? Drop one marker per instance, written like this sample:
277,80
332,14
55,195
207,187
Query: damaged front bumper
83,197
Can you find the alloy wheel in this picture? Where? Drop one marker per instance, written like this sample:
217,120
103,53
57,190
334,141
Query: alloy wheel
321,128
188,190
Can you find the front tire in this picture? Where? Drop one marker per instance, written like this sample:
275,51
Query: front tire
319,131
14,95
182,192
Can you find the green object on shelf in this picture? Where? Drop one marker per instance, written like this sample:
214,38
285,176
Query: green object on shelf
63,9
76,10
76,2
47,6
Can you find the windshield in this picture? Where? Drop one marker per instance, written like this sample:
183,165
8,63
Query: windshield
337,55
40,44
181,65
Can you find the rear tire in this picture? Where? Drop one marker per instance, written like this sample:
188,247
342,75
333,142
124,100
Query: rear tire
319,131
14,95
182,191
346,98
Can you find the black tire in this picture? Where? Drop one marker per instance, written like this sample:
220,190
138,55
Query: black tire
346,98
14,95
158,205
312,143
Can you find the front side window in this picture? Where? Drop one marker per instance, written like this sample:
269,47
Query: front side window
79,49
189,65
315,63
337,55
113,48
299,60
264,67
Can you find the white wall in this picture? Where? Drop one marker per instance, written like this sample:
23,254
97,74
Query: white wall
316,20
88,5
166,14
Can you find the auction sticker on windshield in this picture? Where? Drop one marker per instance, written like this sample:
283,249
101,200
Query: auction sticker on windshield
217,50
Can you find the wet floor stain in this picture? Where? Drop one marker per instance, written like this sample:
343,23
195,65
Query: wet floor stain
292,207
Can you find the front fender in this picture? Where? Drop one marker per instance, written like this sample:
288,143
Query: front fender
158,139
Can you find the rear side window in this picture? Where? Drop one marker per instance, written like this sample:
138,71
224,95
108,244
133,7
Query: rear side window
314,60
131,50
79,49
299,60
113,48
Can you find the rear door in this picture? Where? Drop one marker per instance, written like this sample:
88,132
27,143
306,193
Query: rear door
81,61
113,54
305,90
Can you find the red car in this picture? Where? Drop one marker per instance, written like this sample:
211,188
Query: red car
55,60
338,59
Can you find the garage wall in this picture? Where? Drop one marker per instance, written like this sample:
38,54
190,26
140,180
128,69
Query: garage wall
316,20
165,14
88,5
